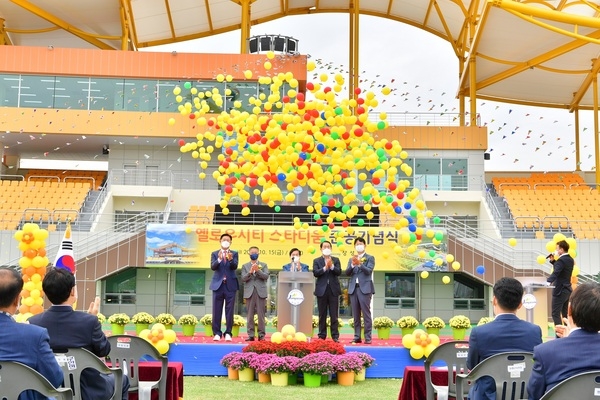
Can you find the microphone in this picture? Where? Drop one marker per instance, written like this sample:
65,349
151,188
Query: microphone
549,255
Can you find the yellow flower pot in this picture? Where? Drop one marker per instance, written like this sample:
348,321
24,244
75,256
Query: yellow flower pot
280,379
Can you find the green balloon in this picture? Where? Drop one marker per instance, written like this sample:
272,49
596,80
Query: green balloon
381,125
316,217
380,152
335,135
187,85
345,208
413,213
439,235
324,199
412,237
339,111
432,253
389,199
277,208
360,222
324,228
436,220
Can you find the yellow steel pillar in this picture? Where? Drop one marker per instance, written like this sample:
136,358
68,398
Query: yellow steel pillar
245,24
472,92
3,37
596,133
577,152
354,48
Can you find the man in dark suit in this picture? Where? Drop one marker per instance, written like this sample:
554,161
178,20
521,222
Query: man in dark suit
327,270
561,279
505,333
25,343
577,351
70,328
255,275
224,285
295,264
361,289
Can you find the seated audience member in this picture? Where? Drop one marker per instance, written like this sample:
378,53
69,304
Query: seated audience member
27,344
505,333
577,351
70,328
295,264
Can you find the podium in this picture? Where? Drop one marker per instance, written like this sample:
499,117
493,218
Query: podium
535,302
295,300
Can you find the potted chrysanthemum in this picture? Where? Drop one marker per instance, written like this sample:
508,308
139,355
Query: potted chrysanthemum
384,326
240,361
314,366
367,362
188,324
206,321
328,322
101,318
408,324
142,320
238,322
347,365
484,320
117,322
168,320
459,325
433,325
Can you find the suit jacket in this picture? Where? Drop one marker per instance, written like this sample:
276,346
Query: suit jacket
29,345
559,359
257,280
505,333
224,269
561,275
70,328
323,276
364,274
288,267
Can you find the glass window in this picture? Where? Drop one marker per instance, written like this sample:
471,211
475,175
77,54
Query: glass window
189,287
121,287
102,94
400,285
9,90
71,93
165,96
36,91
467,288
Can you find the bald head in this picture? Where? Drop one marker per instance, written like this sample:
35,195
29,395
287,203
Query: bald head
11,284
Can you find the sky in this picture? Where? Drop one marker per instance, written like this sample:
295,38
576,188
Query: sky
422,71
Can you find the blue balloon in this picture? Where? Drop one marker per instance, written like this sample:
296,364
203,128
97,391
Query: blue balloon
398,210
303,155
325,210
321,147
409,219
412,227
407,206
480,269
281,176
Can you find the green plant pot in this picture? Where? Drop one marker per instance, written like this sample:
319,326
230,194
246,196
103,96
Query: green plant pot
140,327
458,334
324,379
246,375
117,329
293,379
168,326
384,333
188,330
279,379
312,380
433,331
235,331
208,331
407,331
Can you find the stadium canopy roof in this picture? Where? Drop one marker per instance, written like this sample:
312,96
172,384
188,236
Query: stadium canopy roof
542,53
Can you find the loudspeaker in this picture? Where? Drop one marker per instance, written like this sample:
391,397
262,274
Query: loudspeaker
279,44
265,43
253,45
486,156
105,149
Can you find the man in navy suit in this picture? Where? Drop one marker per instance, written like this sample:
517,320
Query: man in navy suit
295,264
327,270
561,279
577,351
25,343
76,329
505,333
361,288
224,285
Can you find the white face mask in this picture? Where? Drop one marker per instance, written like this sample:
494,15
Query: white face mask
326,252
296,259
360,248
225,244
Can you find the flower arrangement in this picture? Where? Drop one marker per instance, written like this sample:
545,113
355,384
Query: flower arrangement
238,320
188,319
328,346
119,319
274,321
382,322
340,322
484,320
165,319
350,361
321,363
238,360
101,318
142,318
407,322
315,321
434,322
367,360
206,319
273,364
256,320
296,349
351,322
460,322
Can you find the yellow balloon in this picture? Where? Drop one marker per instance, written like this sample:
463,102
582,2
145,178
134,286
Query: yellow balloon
145,334
162,346
551,246
300,337
449,258
170,335
446,279
575,270
158,326
558,237
408,341
247,74
277,337
417,352
456,265
424,274
267,65
512,242
435,339
541,259
429,348
572,243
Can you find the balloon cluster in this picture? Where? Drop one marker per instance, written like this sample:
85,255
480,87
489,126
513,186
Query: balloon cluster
159,337
420,343
551,246
280,143
32,244
288,334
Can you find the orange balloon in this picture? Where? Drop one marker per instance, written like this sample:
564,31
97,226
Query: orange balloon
36,309
26,278
23,309
25,293
42,252
30,253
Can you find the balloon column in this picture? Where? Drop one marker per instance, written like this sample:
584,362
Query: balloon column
159,337
280,143
32,243
420,343
288,334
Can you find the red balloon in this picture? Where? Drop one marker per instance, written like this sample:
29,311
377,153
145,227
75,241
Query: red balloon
357,90
310,86
181,142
